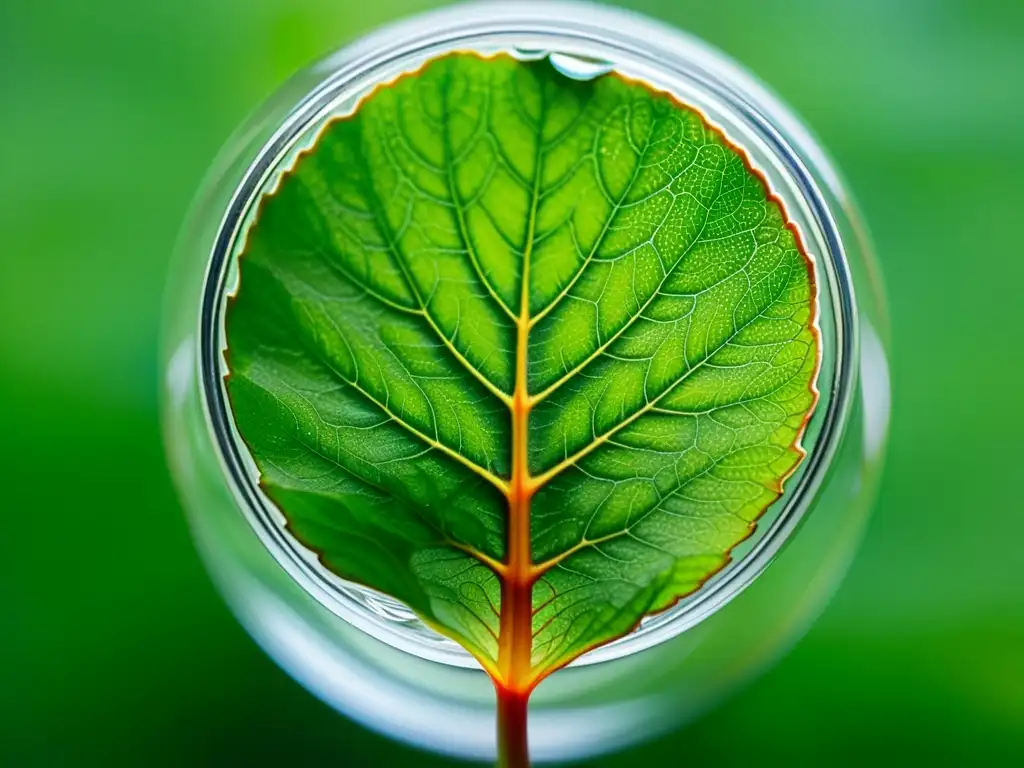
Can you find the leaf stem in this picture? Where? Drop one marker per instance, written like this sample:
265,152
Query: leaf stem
513,749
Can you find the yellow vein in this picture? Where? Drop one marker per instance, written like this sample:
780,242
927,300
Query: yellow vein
547,565
626,326
543,478
496,481
460,216
413,286
541,568
603,234
316,451
497,566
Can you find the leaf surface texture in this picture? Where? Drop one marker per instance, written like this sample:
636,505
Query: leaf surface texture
488,246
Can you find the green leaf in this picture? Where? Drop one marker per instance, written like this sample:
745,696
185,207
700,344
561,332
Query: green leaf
529,354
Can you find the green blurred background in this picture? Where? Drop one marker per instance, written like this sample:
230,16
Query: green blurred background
113,645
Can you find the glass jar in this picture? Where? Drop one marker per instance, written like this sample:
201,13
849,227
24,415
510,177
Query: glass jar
369,657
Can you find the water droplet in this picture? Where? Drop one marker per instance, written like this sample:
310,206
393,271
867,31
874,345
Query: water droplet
579,67
529,54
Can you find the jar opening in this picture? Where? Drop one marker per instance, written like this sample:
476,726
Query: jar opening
694,75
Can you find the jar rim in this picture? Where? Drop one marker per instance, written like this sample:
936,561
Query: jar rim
620,34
